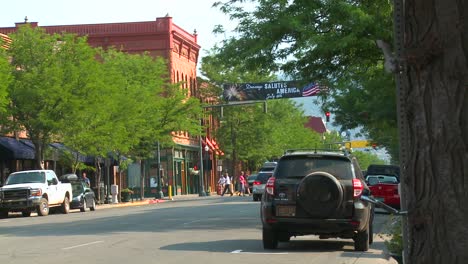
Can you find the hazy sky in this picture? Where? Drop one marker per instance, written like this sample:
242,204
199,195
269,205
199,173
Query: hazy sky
188,14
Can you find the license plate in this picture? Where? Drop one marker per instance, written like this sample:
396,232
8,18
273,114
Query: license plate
285,210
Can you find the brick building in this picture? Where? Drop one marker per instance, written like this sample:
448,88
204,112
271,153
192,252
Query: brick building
159,38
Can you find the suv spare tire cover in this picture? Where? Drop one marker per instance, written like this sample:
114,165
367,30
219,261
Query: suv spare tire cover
320,194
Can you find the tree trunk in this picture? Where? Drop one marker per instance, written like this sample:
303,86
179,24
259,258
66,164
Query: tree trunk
142,179
234,154
98,175
435,96
39,154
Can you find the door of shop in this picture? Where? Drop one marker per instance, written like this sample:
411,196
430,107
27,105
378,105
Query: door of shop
179,184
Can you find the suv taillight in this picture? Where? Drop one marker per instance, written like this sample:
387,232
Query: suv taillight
257,182
270,186
358,187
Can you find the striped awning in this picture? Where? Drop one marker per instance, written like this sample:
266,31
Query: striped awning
213,145
5,41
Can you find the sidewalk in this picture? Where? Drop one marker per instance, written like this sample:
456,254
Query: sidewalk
377,255
148,200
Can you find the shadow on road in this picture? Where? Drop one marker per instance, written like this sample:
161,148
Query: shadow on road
255,246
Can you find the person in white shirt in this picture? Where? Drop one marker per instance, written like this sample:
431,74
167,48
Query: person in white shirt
227,184
221,184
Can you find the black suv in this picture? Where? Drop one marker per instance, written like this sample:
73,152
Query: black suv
316,192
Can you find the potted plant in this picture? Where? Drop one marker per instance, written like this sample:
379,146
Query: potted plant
125,194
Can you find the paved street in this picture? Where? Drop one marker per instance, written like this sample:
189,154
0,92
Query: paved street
209,230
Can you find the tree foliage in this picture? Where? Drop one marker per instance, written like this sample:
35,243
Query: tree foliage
366,158
5,79
331,42
97,102
49,73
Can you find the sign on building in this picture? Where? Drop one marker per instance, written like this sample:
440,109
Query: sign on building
270,90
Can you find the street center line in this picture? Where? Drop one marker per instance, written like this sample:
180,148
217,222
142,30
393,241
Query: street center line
258,253
191,222
83,245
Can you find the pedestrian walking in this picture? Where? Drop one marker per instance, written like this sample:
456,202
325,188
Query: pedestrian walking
247,186
227,184
242,183
221,184
86,179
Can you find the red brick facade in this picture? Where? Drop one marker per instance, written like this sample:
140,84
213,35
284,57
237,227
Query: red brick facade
159,38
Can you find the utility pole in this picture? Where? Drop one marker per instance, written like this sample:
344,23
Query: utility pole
201,191
399,34
159,193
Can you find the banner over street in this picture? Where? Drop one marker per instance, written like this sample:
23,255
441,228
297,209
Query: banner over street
270,90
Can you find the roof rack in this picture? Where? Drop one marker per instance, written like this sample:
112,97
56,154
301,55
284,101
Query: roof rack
314,150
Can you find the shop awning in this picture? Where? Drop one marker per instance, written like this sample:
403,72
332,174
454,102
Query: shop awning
5,41
213,145
81,157
13,149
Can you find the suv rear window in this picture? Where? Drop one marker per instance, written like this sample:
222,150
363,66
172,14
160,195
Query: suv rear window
301,166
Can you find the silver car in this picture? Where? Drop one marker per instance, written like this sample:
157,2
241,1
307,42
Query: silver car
259,184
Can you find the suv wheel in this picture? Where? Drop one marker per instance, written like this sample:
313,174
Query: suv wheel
270,239
361,240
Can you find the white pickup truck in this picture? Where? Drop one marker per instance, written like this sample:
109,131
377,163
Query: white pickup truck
34,190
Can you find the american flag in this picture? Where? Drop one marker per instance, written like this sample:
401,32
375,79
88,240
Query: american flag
310,89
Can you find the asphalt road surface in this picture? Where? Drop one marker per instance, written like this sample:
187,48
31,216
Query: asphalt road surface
215,230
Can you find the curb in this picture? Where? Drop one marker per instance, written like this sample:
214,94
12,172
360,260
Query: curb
151,201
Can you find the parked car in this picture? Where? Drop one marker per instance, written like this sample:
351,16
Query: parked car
34,190
83,195
381,169
316,193
385,189
259,184
268,166
250,180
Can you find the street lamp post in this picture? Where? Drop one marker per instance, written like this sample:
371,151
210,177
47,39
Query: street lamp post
206,169
159,194
108,185
201,191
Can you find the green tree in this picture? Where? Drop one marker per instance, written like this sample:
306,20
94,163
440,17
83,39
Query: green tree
330,42
365,159
147,108
49,73
5,79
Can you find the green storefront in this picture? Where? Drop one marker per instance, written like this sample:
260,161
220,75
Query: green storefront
178,172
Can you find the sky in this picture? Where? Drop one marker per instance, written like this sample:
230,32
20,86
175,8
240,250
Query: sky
188,14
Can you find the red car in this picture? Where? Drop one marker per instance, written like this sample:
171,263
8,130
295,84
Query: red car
385,189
